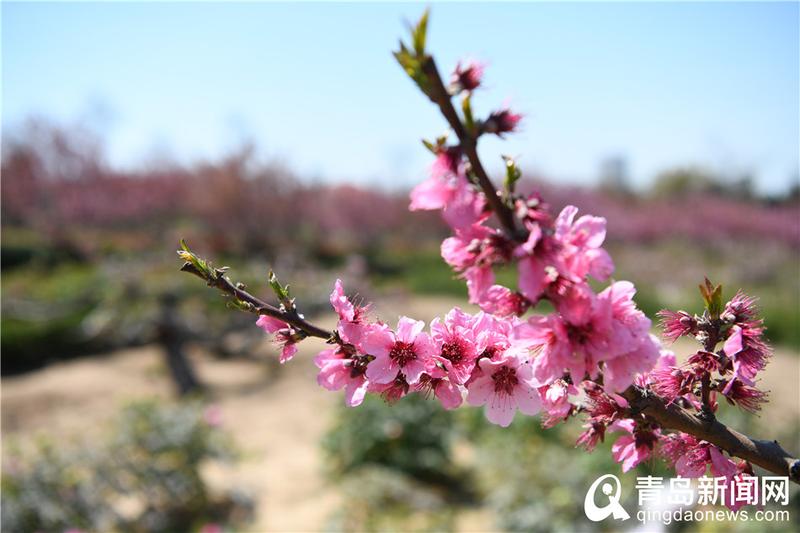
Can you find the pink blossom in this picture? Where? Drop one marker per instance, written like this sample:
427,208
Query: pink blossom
271,324
597,329
558,268
555,401
603,409
670,383
502,301
460,203
284,335
479,280
431,194
338,370
747,397
677,324
351,316
582,242
666,360
408,350
455,340
213,415
446,178
505,385
494,337
447,392
467,77
630,327
465,208
691,456
621,371
747,350
635,447
535,276
392,391
469,246
741,309
701,363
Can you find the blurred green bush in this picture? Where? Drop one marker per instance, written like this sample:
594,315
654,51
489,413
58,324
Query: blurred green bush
396,466
146,476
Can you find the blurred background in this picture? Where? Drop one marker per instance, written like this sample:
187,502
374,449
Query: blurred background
284,136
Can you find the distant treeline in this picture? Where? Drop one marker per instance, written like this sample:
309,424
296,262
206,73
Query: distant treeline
60,197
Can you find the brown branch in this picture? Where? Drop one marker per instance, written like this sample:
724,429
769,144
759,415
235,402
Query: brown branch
764,453
439,94
257,306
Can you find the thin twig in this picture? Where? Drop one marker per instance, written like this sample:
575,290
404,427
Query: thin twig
258,306
441,97
766,454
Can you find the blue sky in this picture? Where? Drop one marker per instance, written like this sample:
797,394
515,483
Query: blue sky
315,85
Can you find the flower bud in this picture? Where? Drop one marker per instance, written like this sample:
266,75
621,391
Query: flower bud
466,77
500,122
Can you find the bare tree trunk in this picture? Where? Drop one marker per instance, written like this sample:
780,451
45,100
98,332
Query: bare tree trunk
172,336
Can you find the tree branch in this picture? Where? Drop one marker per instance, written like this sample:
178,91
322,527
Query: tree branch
440,96
764,453
257,306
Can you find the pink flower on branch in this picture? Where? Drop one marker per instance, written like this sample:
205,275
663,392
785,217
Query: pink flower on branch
447,392
606,328
555,402
455,340
747,397
408,350
393,391
600,340
603,409
634,448
691,457
352,317
283,334
747,350
339,370
677,324
504,385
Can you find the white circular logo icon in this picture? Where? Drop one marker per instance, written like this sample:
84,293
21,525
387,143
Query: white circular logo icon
595,513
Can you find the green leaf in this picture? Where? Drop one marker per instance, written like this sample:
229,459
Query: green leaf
419,34
513,174
412,58
469,121
281,292
712,297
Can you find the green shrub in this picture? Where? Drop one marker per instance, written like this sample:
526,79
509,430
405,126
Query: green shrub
145,477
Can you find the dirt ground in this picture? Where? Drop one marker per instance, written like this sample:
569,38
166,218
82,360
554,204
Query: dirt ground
277,415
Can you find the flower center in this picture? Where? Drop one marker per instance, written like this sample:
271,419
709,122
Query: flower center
505,379
490,352
402,353
358,365
453,351
579,334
